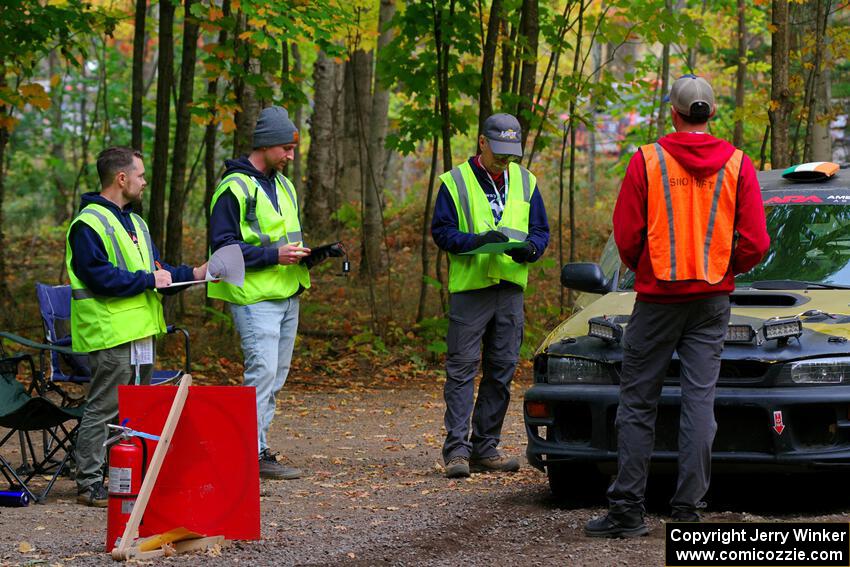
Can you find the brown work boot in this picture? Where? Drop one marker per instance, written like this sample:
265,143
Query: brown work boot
457,467
271,468
496,463
94,495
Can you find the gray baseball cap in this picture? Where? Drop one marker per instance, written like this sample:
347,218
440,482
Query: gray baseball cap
504,134
692,96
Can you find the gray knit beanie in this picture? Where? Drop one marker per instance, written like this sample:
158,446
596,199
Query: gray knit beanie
274,128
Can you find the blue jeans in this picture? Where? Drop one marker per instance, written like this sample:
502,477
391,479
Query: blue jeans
267,330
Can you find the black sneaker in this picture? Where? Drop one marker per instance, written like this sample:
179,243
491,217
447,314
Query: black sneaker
608,526
496,463
271,468
457,467
94,495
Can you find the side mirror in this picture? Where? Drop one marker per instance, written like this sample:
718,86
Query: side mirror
585,276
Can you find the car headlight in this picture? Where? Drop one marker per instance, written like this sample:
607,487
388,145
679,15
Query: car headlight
820,371
566,370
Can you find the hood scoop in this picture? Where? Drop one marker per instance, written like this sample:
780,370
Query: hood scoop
758,298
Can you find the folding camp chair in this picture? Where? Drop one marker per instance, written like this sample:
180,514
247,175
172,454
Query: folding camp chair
56,359
25,410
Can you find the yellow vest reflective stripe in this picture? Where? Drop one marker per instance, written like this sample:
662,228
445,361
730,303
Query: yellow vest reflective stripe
263,226
99,322
475,217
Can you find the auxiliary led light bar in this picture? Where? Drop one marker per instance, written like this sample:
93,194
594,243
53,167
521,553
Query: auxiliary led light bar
739,334
782,329
602,328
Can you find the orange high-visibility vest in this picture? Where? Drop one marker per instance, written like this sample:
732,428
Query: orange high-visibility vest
690,220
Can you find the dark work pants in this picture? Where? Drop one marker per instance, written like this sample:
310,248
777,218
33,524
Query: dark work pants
695,330
110,368
493,317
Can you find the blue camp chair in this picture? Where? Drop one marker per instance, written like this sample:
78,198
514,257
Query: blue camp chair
27,410
57,360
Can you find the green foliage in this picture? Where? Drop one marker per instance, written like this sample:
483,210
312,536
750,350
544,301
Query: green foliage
432,282
433,332
410,61
348,215
368,343
219,317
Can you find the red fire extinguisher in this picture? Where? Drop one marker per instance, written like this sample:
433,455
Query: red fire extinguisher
127,463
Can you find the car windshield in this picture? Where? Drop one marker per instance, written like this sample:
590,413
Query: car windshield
809,244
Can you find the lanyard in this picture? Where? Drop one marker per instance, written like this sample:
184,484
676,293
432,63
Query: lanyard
501,200
261,190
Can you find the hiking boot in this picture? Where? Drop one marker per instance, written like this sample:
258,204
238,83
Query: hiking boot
615,526
271,468
496,463
94,495
457,467
685,516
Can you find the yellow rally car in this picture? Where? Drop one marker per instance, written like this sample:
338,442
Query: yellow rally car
783,397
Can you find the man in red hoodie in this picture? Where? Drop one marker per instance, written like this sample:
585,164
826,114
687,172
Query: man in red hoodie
689,217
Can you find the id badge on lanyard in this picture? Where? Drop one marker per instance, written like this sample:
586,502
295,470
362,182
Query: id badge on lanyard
141,352
501,200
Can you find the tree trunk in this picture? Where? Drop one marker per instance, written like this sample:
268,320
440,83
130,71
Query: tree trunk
246,96
596,50
441,47
573,103
138,87
164,83
817,107
531,31
179,190
62,206
426,225
562,292
821,140
488,62
507,57
442,50
299,123
661,123
373,198
6,300
321,158
780,94
357,86
741,75
210,162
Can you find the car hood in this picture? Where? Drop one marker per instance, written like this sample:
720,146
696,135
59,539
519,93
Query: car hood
825,315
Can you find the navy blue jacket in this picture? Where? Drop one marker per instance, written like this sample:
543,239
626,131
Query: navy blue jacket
445,222
91,263
225,216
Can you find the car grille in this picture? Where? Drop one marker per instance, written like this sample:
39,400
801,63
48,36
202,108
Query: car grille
732,372
731,422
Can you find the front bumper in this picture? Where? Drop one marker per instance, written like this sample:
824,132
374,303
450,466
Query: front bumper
816,433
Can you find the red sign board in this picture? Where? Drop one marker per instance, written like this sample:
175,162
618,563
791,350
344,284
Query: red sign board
209,482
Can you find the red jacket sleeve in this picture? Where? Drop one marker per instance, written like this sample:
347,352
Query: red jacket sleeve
750,226
630,213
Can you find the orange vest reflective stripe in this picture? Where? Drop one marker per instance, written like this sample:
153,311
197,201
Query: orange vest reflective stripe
690,220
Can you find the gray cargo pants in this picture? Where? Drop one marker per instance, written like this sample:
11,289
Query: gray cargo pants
695,330
492,316
110,368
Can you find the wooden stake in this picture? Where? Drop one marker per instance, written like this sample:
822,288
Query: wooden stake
120,553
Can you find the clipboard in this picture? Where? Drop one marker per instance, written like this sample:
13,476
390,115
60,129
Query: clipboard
493,248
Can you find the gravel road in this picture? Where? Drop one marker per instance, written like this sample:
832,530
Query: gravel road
373,493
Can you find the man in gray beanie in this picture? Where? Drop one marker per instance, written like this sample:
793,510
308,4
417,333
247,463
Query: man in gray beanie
255,206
